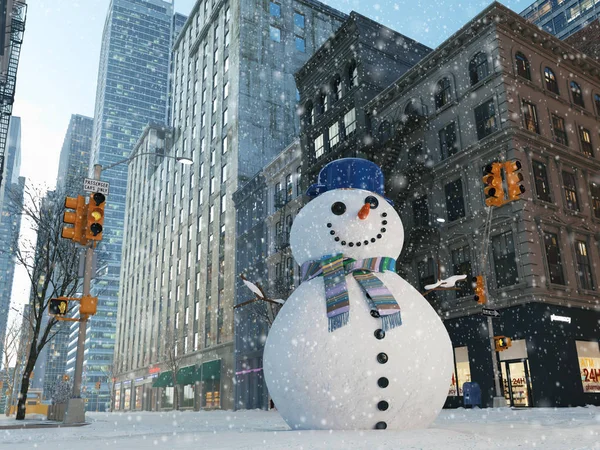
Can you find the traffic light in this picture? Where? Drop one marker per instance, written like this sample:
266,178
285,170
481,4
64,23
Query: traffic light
492,181
58,306
75,218
479,290
97,385
87,305
514,178
95,216
502,343
65,377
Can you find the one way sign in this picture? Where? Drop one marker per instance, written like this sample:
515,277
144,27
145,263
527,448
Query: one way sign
490,312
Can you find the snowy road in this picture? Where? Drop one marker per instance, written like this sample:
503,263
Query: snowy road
573,428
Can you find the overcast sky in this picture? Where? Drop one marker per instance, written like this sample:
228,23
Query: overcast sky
59,64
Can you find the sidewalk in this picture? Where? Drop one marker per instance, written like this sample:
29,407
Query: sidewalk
32,421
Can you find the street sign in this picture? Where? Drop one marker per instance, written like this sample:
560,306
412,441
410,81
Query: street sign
90,185
490,312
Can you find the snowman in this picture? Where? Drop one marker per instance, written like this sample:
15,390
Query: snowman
354,346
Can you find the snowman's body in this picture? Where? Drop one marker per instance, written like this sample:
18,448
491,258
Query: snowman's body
334,380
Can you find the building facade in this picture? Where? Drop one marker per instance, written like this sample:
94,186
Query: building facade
266,207
500,90
234,105
12,28
132,91
10,222
356,63
562,18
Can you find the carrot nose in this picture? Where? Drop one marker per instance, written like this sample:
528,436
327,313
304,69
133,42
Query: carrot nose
364,211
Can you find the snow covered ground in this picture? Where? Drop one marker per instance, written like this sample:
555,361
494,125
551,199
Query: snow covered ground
545,428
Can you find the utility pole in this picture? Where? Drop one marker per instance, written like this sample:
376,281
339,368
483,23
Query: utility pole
75,412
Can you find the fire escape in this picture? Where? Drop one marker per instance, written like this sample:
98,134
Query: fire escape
284,280
8,79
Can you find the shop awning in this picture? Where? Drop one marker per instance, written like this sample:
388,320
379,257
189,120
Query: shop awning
211,370
186,375
165,379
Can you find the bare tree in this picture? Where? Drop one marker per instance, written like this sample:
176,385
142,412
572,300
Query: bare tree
110,371
172,360
261,307
52,266
10,350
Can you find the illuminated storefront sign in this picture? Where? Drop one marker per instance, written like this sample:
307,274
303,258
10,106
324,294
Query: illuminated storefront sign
555,318
588,353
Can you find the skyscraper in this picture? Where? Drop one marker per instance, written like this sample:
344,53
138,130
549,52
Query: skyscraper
234,110
562,18
132,90
10,223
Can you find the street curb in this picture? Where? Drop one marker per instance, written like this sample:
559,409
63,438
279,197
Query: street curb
41,425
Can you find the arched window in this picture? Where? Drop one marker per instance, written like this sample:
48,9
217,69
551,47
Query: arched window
442,93
523,69
478,68
336,92
323,103
576,92
411,111
309,114
550,80
353,75
385,131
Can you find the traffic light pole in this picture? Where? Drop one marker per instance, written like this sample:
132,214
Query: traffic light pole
75,412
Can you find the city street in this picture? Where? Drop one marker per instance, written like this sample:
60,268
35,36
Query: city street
547,428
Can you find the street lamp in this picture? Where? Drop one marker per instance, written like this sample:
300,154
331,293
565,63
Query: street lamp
180,159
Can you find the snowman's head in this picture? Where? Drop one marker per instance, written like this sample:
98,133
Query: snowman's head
358,223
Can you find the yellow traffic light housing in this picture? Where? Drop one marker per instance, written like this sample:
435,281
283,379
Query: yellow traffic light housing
479,288
502,343
87,305
65,377
95,217
514,180
97,385
58,306
75,218
492,181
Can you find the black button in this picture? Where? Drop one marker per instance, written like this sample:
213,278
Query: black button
366,242
383,382
328,225
336,239
358,244
383,214
372,239
375,313
351,244
383,405
380,426
378,236
379,333
332,232
382,358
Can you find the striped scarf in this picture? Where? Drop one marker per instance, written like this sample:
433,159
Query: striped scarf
334,270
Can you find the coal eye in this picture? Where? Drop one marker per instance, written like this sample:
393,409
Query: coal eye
372,201
338,208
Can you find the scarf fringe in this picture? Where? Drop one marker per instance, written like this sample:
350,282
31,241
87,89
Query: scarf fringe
390,321
338,321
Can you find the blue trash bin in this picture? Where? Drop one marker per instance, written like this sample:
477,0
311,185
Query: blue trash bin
471,394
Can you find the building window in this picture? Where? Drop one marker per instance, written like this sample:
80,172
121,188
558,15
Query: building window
586,141
595,192
298,179
559,130
309,114
274,33
448,140
299,20
442,93
461,265
226,64
577,95
323,103
553,258
478,68
597,103
225,145
334,134
223,203
278,197
427,275
588,354
505,265
461,373
420,212
275,9
455,205
211,217
224,173
225,118
353,75
570,187
542,187
523,69
584,269
319,147
300,44
530,117
336,91
226,90
485,119
350,121
550,79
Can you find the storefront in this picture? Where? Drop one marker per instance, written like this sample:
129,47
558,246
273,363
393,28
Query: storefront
554,359
211,384
117,397
127,395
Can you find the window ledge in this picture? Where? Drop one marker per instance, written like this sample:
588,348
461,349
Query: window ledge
546,204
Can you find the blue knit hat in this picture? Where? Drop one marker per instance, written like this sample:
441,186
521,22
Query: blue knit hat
349,173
